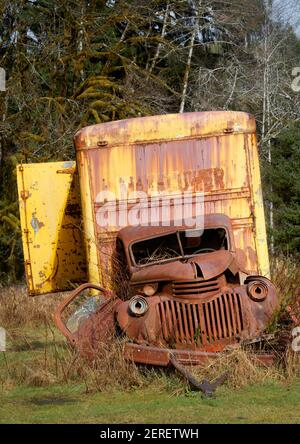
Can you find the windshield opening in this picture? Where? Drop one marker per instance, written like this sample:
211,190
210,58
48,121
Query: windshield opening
156,249
178,245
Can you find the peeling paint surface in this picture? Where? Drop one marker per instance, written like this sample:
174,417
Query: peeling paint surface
215,153
50,215
35,224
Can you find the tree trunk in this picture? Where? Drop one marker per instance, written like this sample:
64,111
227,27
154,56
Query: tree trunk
163,33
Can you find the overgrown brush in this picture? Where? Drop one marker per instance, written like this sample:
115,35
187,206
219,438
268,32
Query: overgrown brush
51,361
241,369
286,278
48,359
285,271
292,366
17,309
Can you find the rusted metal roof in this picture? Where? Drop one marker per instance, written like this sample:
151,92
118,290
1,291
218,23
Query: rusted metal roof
165,127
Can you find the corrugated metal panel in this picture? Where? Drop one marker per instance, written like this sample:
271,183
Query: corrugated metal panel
50,213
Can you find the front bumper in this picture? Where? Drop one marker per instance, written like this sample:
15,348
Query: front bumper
148,355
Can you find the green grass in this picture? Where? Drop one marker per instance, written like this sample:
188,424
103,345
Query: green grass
271,403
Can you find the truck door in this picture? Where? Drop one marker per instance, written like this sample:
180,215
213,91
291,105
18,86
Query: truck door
50,214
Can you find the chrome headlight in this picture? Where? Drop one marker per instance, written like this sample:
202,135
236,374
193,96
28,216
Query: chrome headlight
257,290
138,306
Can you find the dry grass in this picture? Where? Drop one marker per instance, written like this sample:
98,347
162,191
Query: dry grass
286,278
292,367
160,254
17,309
240,368
111,369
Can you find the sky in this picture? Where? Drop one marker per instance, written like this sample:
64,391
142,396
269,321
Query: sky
289,11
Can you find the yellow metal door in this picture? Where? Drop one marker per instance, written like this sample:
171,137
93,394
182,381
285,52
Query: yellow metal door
50,213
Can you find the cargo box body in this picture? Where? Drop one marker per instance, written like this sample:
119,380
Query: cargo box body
214,153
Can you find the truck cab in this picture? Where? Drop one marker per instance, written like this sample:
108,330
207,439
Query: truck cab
188,290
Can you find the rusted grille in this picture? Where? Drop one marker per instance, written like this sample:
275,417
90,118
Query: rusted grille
203,323
188,289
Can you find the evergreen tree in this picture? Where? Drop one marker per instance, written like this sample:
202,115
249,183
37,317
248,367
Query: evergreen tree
284,175
74,63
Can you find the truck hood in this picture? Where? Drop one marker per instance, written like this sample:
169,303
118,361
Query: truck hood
206,265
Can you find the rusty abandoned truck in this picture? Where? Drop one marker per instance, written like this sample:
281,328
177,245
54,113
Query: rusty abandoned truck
173,290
